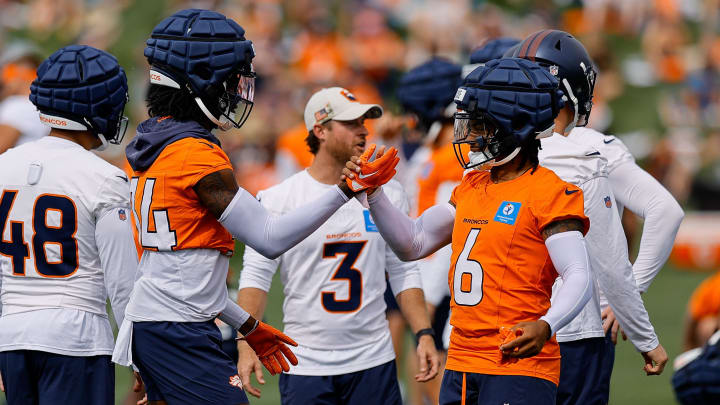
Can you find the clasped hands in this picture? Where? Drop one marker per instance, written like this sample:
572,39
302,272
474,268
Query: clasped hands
367,173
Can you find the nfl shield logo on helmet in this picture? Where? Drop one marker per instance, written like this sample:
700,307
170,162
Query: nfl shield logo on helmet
554,70
121,214
608,201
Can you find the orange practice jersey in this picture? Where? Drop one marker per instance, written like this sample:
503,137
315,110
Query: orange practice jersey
705,301
501,272
442,168
170,215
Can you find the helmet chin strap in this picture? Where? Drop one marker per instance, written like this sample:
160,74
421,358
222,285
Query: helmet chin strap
222,123
480,156
574,101
104,143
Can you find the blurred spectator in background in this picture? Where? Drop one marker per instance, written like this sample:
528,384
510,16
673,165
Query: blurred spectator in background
701,320
19,121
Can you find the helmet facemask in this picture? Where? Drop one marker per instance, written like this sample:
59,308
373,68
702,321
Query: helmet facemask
488,146
235,101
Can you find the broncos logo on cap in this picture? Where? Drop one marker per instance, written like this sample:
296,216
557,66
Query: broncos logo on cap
348,95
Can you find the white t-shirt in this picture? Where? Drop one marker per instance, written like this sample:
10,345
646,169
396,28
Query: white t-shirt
333,282
67,246
586,168
18,112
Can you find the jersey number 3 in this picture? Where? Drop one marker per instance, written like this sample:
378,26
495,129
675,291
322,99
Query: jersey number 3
63,235
345,271
468,274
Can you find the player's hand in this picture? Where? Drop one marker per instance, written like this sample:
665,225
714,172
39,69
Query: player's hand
428,359
139,387
248,363
610,323
270,345
529,342
363,174
655,360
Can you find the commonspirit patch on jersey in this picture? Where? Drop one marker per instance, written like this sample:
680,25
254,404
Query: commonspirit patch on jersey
507,212
369,224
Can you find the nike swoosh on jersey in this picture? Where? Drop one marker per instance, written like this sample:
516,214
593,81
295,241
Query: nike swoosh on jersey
604,141
568,192
592,154
123,177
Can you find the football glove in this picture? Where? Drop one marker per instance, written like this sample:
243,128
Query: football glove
375,173
270,346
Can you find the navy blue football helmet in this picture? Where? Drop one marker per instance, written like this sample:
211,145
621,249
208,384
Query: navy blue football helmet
428,89
565,58
205,53
492,49
81,88
697,381
501,105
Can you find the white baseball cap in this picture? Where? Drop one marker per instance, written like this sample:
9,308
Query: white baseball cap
336,103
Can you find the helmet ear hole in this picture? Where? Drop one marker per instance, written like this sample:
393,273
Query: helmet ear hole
558,45
202,70
520,121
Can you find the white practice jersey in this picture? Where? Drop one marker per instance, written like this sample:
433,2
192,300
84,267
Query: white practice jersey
586,168
638,191
66,247
333,282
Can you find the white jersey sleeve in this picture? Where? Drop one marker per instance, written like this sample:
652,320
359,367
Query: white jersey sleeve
401,275
639,192
635,189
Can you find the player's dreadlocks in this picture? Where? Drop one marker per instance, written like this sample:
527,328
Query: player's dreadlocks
167,101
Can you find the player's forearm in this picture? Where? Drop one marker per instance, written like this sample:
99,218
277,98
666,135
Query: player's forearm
8,137
569,257
234,315
412,239
412,306
253,300
270,235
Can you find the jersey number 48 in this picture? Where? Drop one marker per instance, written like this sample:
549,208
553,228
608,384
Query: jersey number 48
63,235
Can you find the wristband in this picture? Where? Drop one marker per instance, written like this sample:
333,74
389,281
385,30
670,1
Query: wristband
423,332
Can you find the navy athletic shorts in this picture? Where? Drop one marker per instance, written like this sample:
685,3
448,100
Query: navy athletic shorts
183,363
483,389
376,385
33,377
582,369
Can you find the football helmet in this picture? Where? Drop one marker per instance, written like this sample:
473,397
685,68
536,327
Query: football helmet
565,58
81,88
205,53
501,105
697,374
427,91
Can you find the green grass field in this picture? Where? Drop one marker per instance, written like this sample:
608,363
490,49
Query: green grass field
665,301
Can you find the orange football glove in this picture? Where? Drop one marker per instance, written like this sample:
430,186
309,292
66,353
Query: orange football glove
270,346
374,173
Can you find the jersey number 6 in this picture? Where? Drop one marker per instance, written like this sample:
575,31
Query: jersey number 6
64,235
468,274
